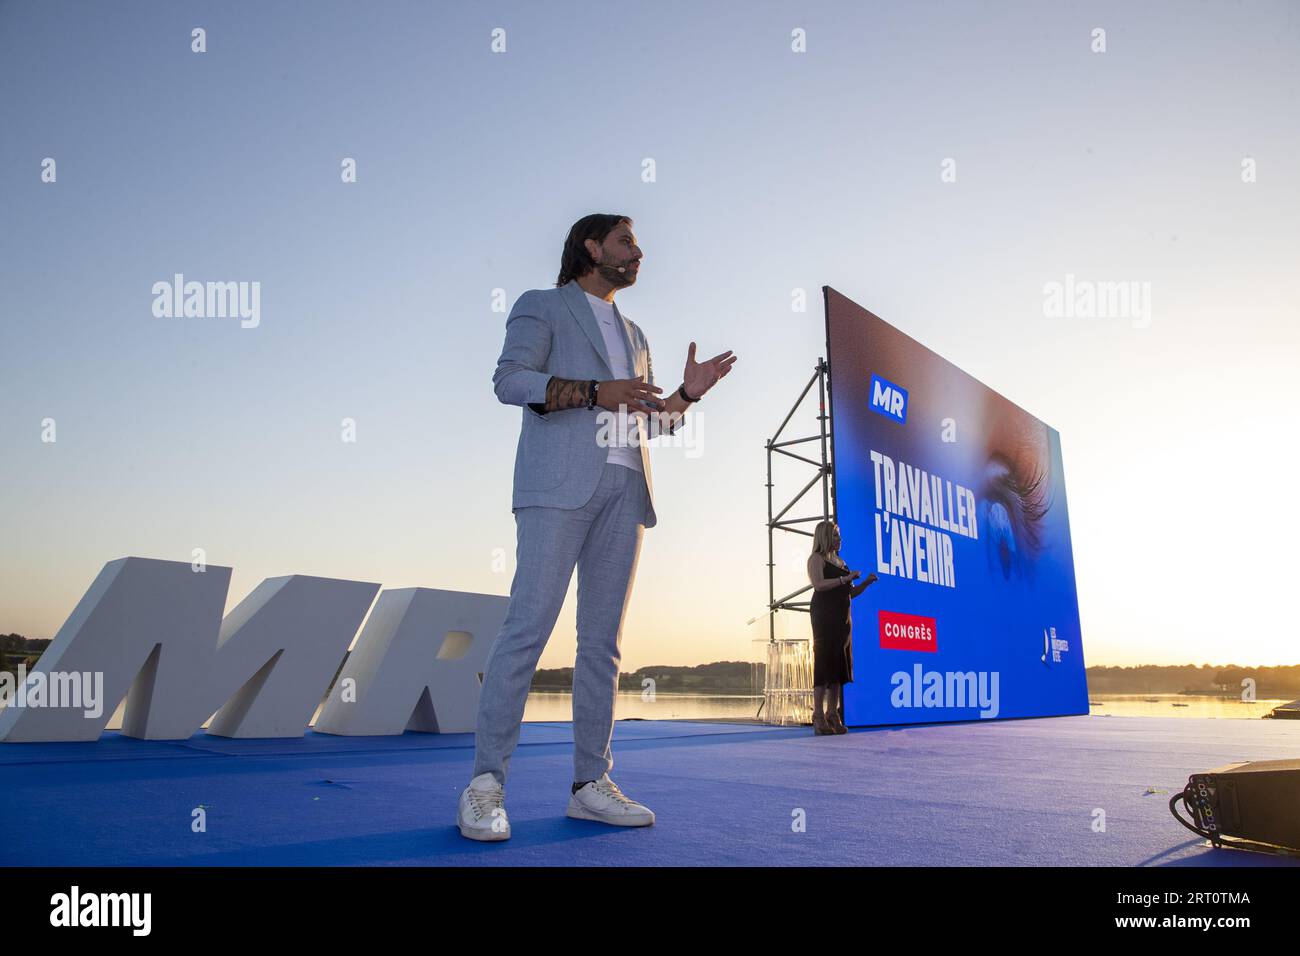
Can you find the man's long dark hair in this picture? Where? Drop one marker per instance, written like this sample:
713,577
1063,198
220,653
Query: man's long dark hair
576,261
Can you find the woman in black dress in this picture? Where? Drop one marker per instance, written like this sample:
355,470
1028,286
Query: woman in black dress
832,624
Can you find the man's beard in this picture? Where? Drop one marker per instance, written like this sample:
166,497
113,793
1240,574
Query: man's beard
611,274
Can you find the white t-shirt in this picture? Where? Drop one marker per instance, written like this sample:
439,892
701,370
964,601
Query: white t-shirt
621,451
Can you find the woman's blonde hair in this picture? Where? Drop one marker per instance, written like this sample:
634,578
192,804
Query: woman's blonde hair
823,535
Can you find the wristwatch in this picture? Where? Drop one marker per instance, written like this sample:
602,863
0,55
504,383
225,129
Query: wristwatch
681,390
591,393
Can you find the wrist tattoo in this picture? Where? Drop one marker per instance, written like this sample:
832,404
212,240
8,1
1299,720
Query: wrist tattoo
566,393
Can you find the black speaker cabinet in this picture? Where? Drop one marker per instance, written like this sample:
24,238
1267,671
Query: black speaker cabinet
1258,801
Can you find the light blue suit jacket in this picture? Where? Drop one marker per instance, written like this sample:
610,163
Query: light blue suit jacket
558,462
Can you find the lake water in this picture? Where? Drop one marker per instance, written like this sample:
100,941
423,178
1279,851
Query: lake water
553,705
1162,705
550,706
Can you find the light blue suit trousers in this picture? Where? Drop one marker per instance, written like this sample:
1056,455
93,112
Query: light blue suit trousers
603,539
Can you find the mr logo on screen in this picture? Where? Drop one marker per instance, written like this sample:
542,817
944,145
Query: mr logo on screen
888,399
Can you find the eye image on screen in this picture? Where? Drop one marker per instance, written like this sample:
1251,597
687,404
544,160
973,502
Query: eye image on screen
1015,493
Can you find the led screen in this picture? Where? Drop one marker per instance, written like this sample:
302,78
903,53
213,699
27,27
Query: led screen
955,498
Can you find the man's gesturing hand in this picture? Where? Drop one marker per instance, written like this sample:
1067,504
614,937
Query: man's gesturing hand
631,392
699,377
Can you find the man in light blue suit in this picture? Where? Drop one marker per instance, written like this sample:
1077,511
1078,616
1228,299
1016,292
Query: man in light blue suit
583,495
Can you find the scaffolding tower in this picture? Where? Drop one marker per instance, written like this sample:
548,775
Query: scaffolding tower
787,685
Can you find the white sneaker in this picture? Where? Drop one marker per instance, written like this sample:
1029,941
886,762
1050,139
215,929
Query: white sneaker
602,800
482,812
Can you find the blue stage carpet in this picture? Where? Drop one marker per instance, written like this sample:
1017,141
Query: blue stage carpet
1020,793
